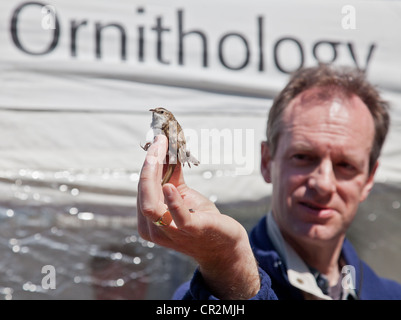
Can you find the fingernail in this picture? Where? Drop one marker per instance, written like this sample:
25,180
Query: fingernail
168,191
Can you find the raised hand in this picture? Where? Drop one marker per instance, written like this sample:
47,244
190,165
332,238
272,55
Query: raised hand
180,218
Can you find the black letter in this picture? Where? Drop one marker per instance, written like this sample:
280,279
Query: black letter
351,50
99,28
74,29
14,30
159,29
243,65
141,43
141,37
181,36
260,42
301,51
332,44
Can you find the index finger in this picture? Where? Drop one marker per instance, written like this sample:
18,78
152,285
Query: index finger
149,187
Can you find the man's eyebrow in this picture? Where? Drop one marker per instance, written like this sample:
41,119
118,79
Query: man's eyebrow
353,158
301,145
346,154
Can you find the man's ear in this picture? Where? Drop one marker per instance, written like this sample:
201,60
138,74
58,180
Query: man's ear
265,161
369,183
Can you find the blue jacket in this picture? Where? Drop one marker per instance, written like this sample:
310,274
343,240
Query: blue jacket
274,281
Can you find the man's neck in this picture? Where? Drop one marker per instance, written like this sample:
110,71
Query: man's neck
323,257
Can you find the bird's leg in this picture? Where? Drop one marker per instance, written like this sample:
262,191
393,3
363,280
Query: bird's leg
169,173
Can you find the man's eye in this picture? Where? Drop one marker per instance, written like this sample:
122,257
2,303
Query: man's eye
300,157
346,166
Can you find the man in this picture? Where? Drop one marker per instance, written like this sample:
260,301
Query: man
324,136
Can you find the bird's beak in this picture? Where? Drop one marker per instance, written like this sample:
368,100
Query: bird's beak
153,110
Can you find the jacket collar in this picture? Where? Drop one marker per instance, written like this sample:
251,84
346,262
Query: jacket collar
288,272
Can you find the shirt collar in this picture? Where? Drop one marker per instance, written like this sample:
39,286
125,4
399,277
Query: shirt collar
299,274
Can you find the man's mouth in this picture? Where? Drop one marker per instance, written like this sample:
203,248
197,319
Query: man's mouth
316,209
313,206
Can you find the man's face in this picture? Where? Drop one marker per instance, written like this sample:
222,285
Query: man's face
320,171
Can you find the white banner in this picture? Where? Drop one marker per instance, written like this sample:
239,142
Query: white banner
83,74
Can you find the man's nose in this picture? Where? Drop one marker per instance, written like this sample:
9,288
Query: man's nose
323,179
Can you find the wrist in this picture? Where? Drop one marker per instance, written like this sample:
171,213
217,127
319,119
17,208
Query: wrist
232,273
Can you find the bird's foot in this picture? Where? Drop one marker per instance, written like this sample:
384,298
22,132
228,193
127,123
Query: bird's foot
146,146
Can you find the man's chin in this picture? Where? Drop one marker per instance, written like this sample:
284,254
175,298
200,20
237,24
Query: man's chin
312,232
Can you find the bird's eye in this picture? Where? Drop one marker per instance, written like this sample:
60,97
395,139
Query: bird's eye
162,112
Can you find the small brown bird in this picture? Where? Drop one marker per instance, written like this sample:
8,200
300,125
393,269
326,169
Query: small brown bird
164,122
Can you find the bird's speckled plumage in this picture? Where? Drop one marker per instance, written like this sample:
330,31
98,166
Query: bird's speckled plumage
164,122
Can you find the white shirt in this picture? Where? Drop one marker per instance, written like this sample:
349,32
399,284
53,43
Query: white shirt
299,274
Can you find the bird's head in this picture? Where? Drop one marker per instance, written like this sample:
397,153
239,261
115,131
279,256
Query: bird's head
160,117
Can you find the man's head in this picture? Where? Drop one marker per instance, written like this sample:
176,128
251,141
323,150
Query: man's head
325,133
344,81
